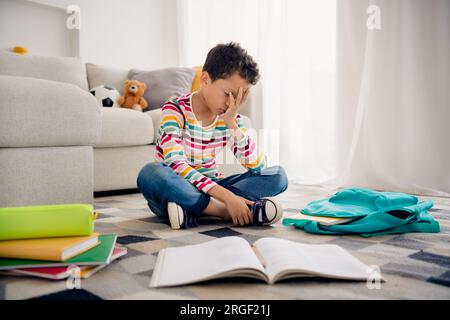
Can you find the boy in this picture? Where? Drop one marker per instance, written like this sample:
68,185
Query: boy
184,183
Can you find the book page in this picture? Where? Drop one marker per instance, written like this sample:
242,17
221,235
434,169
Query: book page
209,260
284,259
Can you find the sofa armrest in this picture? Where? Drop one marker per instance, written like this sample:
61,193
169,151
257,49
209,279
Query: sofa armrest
40,113
155,114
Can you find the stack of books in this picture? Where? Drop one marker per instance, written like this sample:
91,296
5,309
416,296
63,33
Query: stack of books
54,241
55,258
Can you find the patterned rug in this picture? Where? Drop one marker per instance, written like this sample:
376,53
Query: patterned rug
415,266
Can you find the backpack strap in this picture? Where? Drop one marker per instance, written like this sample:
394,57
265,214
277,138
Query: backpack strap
174,101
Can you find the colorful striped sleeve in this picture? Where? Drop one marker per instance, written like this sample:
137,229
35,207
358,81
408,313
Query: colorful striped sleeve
170,150
246,151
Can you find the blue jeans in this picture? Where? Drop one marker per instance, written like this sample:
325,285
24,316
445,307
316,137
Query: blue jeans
159,184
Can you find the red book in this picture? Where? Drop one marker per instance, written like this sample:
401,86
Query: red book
58,273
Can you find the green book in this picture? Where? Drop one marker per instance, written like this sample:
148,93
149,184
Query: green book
100,254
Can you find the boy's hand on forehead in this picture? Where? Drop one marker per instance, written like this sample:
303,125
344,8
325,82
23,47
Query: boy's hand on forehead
241,96
233,106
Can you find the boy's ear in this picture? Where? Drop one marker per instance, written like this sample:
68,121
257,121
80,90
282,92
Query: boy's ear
205,79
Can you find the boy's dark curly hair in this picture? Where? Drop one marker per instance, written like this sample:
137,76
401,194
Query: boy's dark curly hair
224,60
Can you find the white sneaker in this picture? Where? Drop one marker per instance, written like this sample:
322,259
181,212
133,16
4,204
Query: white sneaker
176,215
266,211
179,218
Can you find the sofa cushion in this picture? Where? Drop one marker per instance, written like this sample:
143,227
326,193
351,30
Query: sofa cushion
123,127
62,69
164,83
155,115
44,113
98,75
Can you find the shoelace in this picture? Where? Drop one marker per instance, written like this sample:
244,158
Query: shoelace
259,212
190,220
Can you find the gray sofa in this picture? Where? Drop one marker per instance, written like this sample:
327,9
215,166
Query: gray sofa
57,145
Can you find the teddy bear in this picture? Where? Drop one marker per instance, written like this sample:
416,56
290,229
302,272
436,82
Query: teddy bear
133,95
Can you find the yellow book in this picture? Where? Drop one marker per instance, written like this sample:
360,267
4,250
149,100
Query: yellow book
51,249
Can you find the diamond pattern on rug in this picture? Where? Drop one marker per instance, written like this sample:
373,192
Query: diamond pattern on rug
350,244
251,238
405,268
131,253
147,273
154,219
133,239
443,279
432,258
418,260
222,232
404,242
74,294
138,264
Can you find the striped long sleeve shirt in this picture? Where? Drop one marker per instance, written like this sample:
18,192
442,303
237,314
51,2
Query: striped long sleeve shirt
190,149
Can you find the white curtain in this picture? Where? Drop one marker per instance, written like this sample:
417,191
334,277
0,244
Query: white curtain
340,104
294,44
393,102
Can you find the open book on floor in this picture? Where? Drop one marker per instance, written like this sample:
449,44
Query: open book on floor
269,259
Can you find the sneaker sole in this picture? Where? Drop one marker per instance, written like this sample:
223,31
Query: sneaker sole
174,213
278,209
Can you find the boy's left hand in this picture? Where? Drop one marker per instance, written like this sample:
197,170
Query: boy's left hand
230,115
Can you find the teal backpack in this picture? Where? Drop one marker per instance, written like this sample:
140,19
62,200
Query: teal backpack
373,213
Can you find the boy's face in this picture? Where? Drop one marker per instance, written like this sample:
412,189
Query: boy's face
217,93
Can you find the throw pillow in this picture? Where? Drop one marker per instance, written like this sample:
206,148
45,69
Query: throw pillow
164,83
98,75
196,82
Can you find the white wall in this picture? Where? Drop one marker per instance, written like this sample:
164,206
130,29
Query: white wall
128,34
19,22
119,33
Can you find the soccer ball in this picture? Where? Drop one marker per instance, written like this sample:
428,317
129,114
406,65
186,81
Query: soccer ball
106,96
